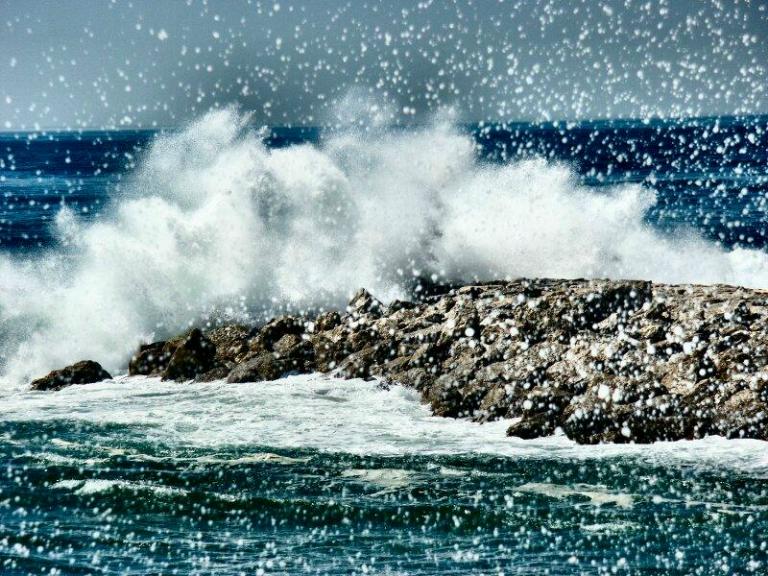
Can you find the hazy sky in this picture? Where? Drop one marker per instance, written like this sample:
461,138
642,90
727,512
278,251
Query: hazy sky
102,63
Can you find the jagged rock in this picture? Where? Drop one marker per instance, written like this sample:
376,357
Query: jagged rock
744,415
532,426
84,372
194,355
219,372
327,352
362,302
660,418
359,364
264,339
601,360
398,305
257,369
286,344
621,298
231,342
151,359
327,321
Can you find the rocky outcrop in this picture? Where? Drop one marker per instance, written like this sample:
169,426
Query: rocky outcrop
150,359
85,372
600,360
193,356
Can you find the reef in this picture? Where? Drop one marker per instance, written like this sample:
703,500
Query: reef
597,360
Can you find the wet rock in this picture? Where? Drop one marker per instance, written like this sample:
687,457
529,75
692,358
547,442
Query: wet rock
660,418
359,364
327,351
593,417
219,372
84,372
532,426
258,369
150,360
327,321
621,298
362,302
601,360
231,342
744,415
194,355
264,339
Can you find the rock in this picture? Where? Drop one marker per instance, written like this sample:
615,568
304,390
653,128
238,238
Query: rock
327,321
398,305
231,342
259,368
286,344
622,298
744,415
84,372
532,426
279,327
264,339
194,355
359,364
296,355
601,360
327,352
362,302
219,372
660,418
151,359
593,417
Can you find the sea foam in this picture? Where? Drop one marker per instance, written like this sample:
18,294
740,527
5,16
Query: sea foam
215,224
318,412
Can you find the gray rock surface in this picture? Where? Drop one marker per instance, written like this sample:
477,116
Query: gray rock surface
599,360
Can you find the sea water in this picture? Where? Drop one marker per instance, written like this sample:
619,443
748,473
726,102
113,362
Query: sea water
111,238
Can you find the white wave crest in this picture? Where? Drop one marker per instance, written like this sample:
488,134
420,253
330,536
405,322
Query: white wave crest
218,224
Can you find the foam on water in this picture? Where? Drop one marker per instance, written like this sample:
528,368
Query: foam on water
331,415
597,495
97,485
217,224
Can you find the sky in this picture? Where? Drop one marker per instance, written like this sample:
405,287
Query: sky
160,63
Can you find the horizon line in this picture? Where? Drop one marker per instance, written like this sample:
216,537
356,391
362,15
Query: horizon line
476,123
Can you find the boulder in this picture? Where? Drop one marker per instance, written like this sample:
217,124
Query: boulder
362,302
327,352
327,321
219,372
231,342
532,426
195,355
263,367
84,372
151,359
264,339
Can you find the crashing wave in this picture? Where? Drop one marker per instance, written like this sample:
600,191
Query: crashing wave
216,224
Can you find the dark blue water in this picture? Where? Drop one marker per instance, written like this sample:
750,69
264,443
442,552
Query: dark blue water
153,509
710,174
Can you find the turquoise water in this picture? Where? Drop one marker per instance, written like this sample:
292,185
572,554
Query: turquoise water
143,477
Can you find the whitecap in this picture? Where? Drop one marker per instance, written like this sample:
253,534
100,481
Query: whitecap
215,224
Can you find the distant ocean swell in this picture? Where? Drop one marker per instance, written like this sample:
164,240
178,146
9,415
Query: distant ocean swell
215,224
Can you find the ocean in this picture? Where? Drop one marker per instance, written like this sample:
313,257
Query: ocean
108,239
